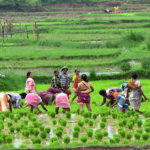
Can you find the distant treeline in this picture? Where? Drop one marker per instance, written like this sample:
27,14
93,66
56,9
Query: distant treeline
28,3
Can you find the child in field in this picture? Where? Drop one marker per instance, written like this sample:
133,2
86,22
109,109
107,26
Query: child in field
84,93
55,82
75,81
4,99
120,100
30,84
34,100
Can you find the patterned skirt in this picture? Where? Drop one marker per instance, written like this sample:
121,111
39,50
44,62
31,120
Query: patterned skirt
135,99
83,98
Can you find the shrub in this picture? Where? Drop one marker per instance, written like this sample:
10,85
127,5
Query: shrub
42,128
77,128
15,119
86,120
105,133
25,133
125,142
120,123
112,141
124,121
75,134
83,139
59,133
145,136
52,114
25,122
31,130
18,116
9,124
95,116
137,135
125,66
98,135
92,74
122,133
12,129
33,118
53,139
128,136
43,135
114,115
80,123
1,140
89,132
90,123
47,130
54,121
102,125
22,146
139,122
130,125
18,128
36,132
146,65
117,139
60,129
147,129
35,124
104,119
9,139
68,115
6,114
66,140
63,122
139,131
11,116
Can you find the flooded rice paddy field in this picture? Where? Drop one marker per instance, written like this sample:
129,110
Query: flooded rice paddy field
111,120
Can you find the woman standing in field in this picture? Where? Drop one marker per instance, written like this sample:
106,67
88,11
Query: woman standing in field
134,87
84,93
34,100
75,81
106,94
4,99
30,84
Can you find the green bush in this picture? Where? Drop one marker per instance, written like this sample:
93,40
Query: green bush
145,136
125,66
112,141
139,122
137,135
47,130
63,122
12,129
139,131
53,139
130,125
15,119
125,142
146,64
83,139
41,128
66,140
18,128
9,139
77,128
86,120
9,124
43,135
36,132
128,136
59,133
1,140
89,132
98,135
80,123
102,125
104,119
68,115
114,115
60,129
105,133
75,134
54,121
147,129
90,123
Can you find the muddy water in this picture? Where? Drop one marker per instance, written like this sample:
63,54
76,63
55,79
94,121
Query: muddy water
71,123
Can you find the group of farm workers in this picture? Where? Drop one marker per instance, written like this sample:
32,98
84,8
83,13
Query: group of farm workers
130,93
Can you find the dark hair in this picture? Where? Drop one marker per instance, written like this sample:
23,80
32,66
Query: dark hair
76,70
23,95
101,92
10,95
84,77
28,74
134,75
112,90
55,71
